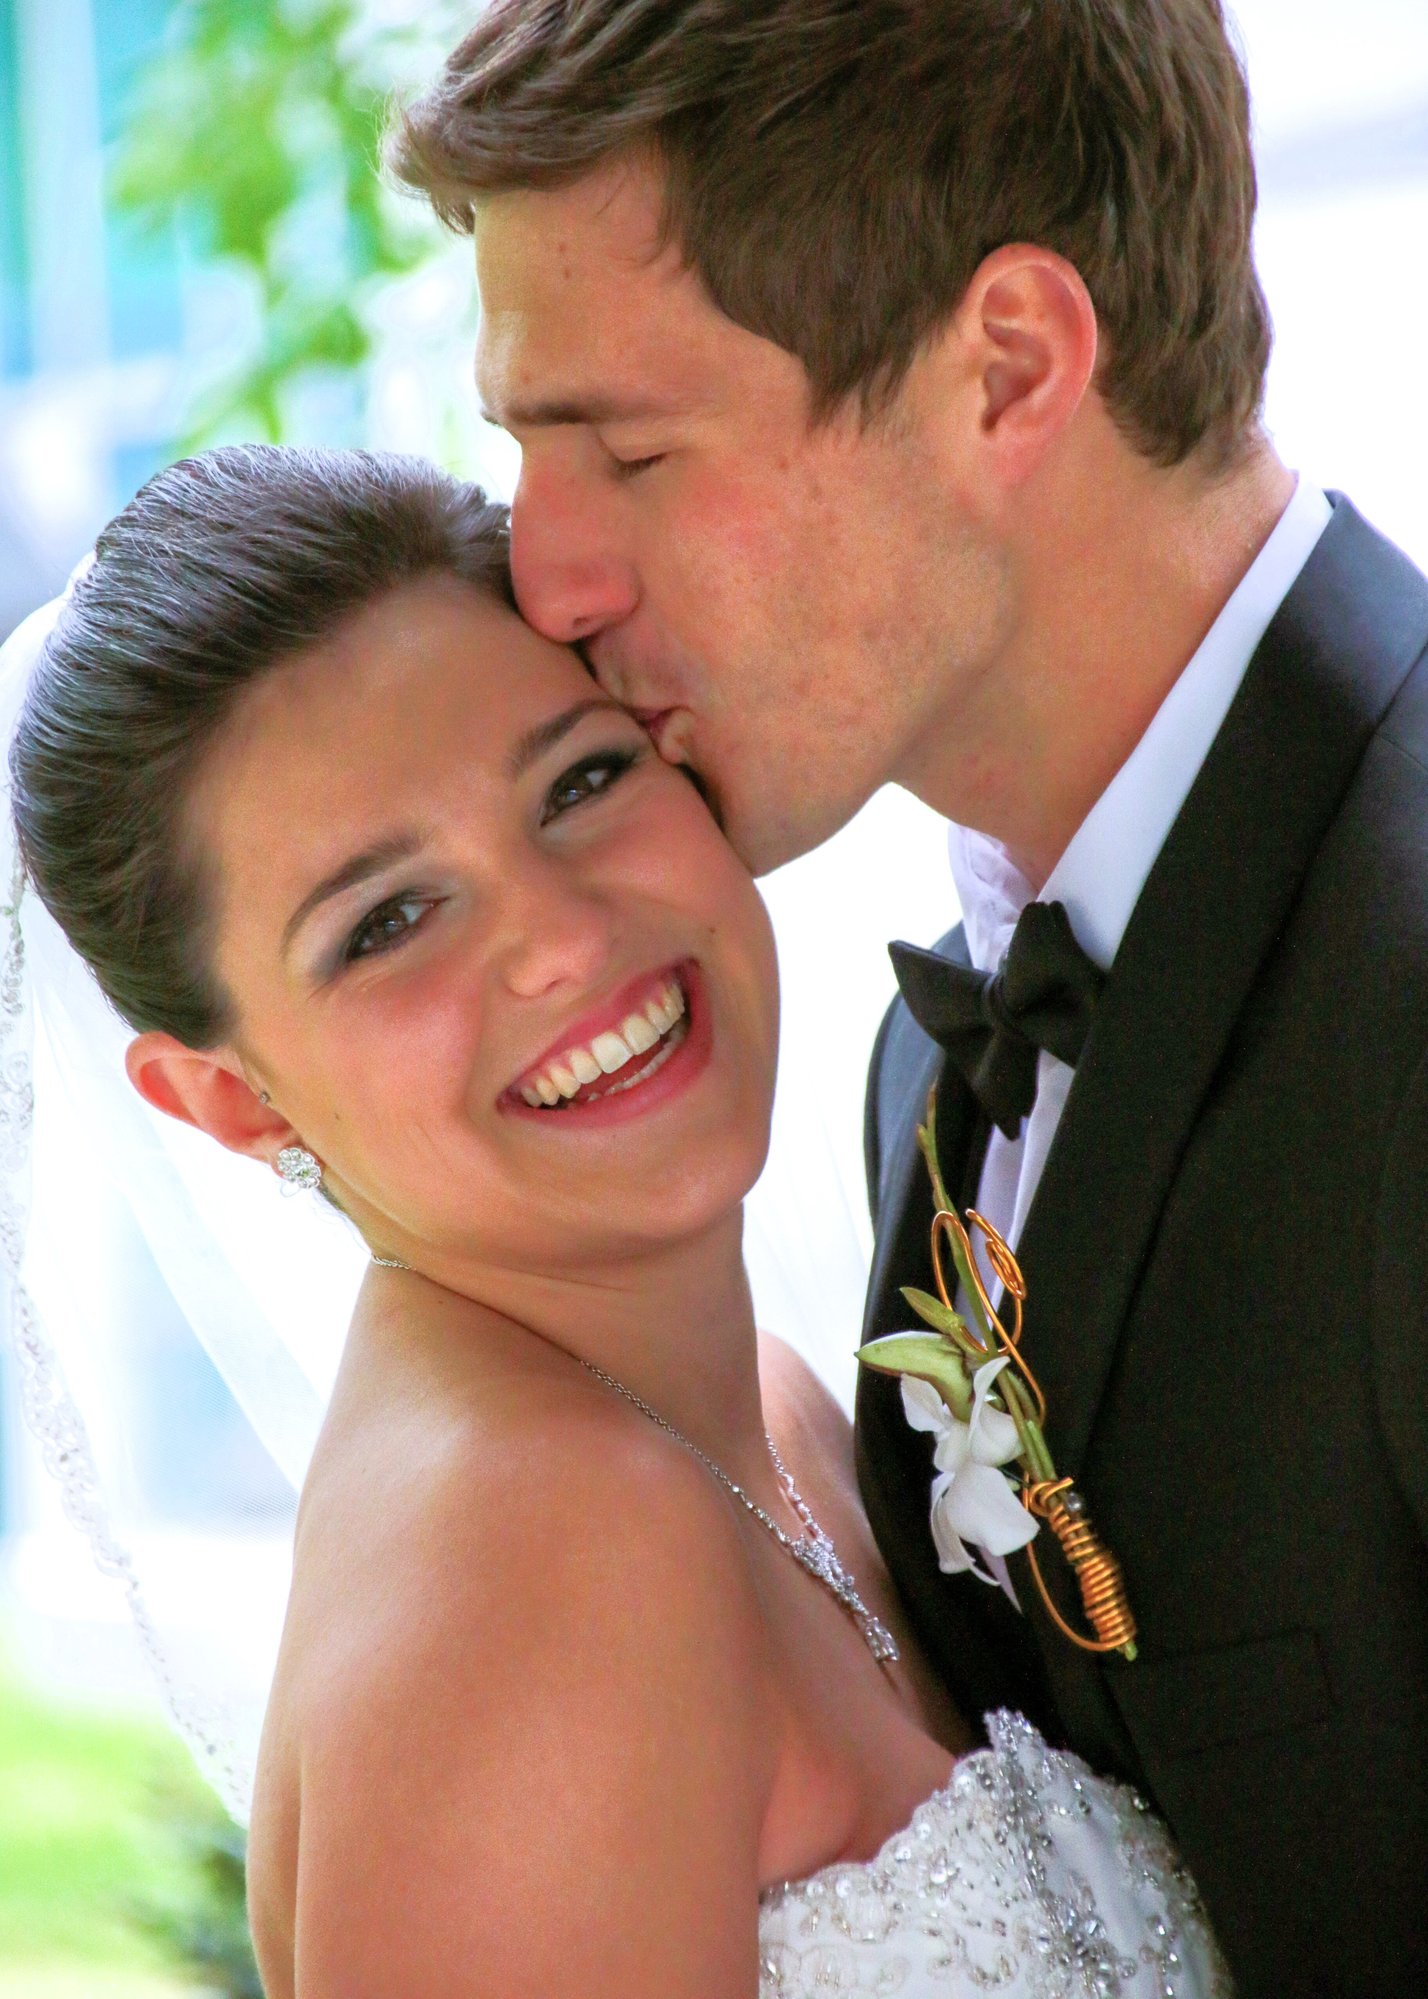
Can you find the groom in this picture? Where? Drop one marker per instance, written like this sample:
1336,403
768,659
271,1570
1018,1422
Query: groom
888,379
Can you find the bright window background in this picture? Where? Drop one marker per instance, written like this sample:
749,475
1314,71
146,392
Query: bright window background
100,336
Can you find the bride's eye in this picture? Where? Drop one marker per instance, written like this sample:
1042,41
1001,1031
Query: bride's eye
587,779
385,926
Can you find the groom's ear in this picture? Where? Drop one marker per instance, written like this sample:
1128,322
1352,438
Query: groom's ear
1029,330
207,1089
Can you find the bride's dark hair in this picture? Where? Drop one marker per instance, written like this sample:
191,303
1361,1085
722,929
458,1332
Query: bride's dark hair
220,568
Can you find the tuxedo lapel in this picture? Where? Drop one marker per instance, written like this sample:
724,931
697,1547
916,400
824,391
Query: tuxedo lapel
1320,682
900,1248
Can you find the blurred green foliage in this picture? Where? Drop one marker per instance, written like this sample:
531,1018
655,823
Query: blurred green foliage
204,1929
77,1848
102,1870
256,130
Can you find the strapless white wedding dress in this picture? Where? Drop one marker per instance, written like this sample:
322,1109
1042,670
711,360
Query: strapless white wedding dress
1025,1877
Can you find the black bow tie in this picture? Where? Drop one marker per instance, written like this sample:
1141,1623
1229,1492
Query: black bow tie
993,1024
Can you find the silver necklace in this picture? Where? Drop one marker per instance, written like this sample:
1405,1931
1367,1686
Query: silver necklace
812,1550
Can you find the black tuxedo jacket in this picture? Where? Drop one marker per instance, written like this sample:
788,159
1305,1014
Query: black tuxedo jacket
1228,1267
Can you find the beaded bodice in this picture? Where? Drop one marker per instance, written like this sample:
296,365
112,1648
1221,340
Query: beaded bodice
1025,1877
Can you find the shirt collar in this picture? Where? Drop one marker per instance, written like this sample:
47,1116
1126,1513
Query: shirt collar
1103,870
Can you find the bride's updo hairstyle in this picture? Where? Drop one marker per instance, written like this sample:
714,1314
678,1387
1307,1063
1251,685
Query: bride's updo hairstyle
221,568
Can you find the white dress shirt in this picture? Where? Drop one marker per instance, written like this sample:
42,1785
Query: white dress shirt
1102,872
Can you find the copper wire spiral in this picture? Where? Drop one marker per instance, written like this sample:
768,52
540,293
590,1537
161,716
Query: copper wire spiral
1008,1272
1097,1572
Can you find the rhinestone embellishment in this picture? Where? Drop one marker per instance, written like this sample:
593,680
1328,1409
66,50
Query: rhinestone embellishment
299,1169
1024,1877
817,1554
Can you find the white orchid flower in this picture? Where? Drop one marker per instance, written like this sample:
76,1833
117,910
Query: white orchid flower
974,1510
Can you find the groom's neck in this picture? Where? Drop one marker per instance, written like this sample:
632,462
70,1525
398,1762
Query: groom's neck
1117,570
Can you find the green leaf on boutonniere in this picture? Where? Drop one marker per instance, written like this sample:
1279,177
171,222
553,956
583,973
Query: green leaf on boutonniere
944,1320
927,1357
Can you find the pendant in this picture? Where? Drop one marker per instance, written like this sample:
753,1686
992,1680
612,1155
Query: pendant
817,1554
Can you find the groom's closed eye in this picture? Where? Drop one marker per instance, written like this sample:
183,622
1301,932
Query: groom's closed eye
629,468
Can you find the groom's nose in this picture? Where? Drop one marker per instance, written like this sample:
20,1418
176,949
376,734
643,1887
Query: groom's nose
572,578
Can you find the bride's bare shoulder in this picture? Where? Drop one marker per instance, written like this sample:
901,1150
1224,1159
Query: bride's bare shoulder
460,1533
798,1404
524,1665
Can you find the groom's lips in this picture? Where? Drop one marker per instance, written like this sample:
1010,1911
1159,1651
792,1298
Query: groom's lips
654,721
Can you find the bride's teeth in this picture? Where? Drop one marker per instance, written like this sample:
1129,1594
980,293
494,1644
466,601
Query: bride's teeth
610,1051
639,1033
586,1068
670,1008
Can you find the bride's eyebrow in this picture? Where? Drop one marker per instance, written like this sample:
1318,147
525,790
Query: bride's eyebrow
356,869
531,746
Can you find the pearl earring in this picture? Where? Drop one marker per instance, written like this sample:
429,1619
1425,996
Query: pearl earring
300,1169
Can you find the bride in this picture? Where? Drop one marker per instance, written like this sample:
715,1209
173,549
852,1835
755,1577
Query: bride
592,1681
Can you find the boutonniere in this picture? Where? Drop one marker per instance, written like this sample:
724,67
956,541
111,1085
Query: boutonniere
971,1388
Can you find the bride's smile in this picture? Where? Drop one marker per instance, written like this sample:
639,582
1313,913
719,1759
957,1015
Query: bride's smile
596,1065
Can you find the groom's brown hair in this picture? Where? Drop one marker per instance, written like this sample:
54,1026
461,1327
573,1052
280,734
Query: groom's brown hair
835,171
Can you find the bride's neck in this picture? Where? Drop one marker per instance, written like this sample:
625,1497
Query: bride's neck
673,1325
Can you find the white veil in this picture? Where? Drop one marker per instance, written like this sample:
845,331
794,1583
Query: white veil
266,1284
